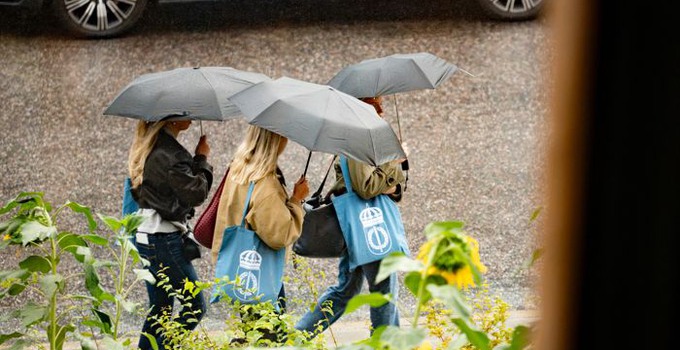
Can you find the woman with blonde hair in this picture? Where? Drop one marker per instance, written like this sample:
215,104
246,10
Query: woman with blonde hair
167,183
274,216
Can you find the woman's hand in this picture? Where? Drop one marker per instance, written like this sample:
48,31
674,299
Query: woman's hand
300,190
203,148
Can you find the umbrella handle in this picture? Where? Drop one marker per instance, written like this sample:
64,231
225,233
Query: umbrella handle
396,109
404,165
309,157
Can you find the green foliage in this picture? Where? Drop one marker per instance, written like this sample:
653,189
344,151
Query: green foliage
447,249
456,321
373,300
488,314
33,223
252,325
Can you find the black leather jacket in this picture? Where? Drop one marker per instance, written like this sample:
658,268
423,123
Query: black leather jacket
174,182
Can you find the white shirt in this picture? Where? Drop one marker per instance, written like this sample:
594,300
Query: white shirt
154,223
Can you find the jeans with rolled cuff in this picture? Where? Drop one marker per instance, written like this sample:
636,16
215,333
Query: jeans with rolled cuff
349,285
164,252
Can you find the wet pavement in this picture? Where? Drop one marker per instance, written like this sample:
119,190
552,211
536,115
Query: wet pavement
476,144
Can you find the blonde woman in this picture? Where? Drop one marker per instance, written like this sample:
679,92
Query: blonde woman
167,183
272,214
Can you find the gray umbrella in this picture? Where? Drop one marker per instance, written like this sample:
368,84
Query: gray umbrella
392,74
320,118
199,93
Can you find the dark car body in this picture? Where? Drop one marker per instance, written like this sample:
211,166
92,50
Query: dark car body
110,18
22,3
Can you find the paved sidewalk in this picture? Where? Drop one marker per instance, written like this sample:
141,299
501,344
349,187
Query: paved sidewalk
347,332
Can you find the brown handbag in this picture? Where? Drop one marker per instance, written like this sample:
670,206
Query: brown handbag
204,230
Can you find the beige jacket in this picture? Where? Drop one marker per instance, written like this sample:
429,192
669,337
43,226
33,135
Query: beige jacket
275,219
369,181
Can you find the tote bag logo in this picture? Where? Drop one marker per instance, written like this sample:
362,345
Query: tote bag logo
375,231
248,275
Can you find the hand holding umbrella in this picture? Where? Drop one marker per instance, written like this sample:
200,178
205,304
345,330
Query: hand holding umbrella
202,148
300,190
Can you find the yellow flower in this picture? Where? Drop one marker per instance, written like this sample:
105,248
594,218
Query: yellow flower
6,237
425,250
461,278
474,254
448,263
426,345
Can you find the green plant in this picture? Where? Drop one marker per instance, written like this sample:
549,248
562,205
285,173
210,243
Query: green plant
308,278
489,312
34,226
250,325
448,260
109,307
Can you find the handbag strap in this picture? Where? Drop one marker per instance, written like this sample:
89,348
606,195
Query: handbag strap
245,207
345,174
323,183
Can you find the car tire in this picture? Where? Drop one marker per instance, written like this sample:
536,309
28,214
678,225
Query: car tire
80,16
514,10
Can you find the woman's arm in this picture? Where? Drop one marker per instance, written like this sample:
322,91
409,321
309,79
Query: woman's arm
190,178
276,219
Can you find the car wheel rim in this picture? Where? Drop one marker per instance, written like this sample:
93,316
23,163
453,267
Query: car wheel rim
516,6
99,15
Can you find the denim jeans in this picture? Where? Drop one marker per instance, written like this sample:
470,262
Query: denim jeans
164,252
349,285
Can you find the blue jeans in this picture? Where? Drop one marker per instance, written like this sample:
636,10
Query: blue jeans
349,285
164,251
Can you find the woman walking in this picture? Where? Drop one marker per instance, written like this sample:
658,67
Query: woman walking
167,183
274,216
368,182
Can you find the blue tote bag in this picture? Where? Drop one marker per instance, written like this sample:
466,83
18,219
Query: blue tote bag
254,270
129,204
372,228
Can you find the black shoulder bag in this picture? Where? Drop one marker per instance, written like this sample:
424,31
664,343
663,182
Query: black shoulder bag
321,234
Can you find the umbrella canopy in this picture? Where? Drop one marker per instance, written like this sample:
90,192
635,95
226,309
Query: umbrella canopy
392,74
320,118
199,93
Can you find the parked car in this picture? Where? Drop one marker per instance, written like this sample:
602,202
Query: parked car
108,18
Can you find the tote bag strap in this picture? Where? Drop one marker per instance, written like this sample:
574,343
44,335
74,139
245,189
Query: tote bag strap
323,183
245,206
345,174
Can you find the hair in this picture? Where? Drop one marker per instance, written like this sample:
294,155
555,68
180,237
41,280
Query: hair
145,138
257,155
376,102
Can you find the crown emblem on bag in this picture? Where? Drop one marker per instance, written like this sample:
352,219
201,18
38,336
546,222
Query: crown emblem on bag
250,259
371,216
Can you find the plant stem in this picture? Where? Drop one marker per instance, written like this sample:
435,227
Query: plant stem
53,299
120,286
422,284
419,299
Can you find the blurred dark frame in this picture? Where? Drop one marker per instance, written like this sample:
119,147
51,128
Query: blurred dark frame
610,279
